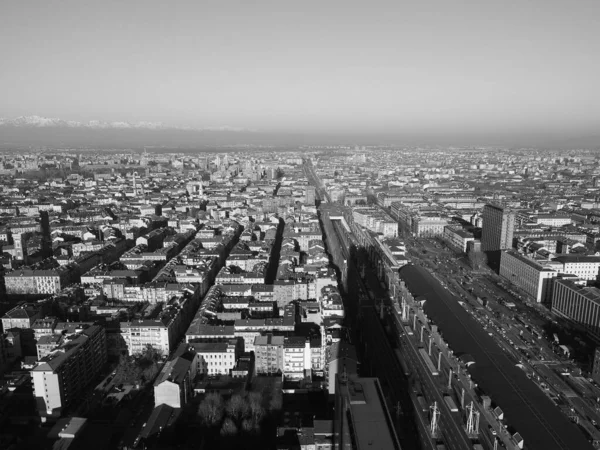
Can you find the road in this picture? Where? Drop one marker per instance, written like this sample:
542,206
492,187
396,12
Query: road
517,330
537,419
314,179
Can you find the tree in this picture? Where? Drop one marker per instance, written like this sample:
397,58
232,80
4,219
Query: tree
128,371
477,260
257,411
211,410
248,426
276,401
228,428
237,407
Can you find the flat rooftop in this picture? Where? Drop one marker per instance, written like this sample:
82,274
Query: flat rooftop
371,423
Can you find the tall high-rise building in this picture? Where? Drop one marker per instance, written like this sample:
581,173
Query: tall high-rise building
498,228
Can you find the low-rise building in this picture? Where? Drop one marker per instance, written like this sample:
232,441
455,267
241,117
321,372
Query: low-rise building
216,358
174,384
23,315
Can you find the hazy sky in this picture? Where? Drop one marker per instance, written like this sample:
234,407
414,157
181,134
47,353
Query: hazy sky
327,65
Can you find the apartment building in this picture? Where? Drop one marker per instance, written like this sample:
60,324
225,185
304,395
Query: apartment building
23,315
33,282
216,358
297,362
268,354
163,332
249,329
61,377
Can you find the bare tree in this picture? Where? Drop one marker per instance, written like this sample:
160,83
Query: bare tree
248,426
228,428
211,409
255,400
237,407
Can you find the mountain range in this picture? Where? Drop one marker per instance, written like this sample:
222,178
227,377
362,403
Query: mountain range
35,131
45,122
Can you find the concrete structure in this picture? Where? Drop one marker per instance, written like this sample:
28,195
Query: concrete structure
61,377
341,358
162,333
173,385
362,419
596,366
23,315
309,198
216,358
376,220
297,362
201,332
457,238
498,228
528,274
27,281
552,220
584,267
428,225
579,305
268,354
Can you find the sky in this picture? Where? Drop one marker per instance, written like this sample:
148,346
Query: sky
436,66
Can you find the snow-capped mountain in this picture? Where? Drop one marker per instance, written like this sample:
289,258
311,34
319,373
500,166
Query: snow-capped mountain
45,122
40,122
36,121
43,131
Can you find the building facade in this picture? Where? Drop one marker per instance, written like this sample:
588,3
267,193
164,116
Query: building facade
498,228
268,354
216,358
528,274
579,305
362,419
61,377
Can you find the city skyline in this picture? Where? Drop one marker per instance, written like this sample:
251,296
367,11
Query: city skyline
440,71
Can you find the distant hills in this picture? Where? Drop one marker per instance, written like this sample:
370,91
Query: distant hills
36,131
54,132
45,122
